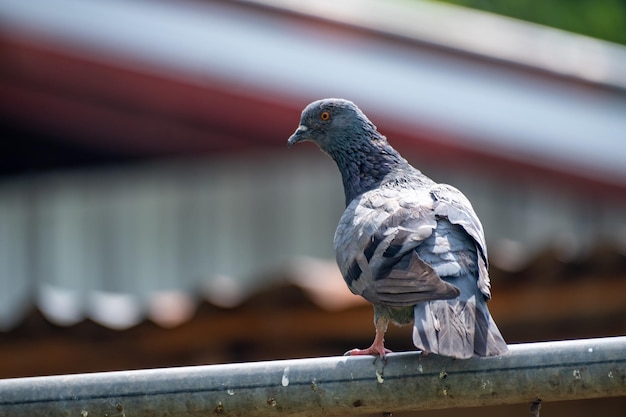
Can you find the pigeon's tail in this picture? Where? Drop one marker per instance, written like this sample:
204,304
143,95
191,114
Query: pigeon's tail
457,328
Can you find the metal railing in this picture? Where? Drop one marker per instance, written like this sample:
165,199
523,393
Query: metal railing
530,373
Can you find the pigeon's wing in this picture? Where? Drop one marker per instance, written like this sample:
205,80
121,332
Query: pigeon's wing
375,243
450,203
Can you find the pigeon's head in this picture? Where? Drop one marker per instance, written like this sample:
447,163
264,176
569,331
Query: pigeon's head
341,130
332,123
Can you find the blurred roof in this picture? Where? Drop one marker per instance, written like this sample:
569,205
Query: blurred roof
151,77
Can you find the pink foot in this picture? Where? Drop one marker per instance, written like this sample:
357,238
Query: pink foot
372,350
378,346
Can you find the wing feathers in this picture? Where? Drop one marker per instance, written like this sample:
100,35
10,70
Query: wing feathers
378,237
417,282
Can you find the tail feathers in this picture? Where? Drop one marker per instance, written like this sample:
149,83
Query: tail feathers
457,329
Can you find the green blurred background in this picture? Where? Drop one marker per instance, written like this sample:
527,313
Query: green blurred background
604,19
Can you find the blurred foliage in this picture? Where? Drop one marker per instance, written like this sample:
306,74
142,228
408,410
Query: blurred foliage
603,19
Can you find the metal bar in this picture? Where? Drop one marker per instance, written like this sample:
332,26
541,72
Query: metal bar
547,371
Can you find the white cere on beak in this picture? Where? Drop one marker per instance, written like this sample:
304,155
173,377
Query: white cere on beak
296,137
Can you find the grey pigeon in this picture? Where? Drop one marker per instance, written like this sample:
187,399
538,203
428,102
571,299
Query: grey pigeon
413,248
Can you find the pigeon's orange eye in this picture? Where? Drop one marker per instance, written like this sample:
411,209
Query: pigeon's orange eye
324,115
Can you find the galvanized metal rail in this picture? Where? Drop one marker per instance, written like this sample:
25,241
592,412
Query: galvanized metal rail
330,386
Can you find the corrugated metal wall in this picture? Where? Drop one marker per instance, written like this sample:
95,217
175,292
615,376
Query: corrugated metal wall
104,243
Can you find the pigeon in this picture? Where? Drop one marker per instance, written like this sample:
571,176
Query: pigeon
412,247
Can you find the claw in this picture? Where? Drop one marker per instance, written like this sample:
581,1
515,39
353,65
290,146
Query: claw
372,350
378,346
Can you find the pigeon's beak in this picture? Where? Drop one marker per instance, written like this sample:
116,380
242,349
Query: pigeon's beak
298,136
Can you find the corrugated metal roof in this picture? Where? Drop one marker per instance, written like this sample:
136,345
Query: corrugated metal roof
575,123
120,245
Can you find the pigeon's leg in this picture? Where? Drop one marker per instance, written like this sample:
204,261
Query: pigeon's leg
378,347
